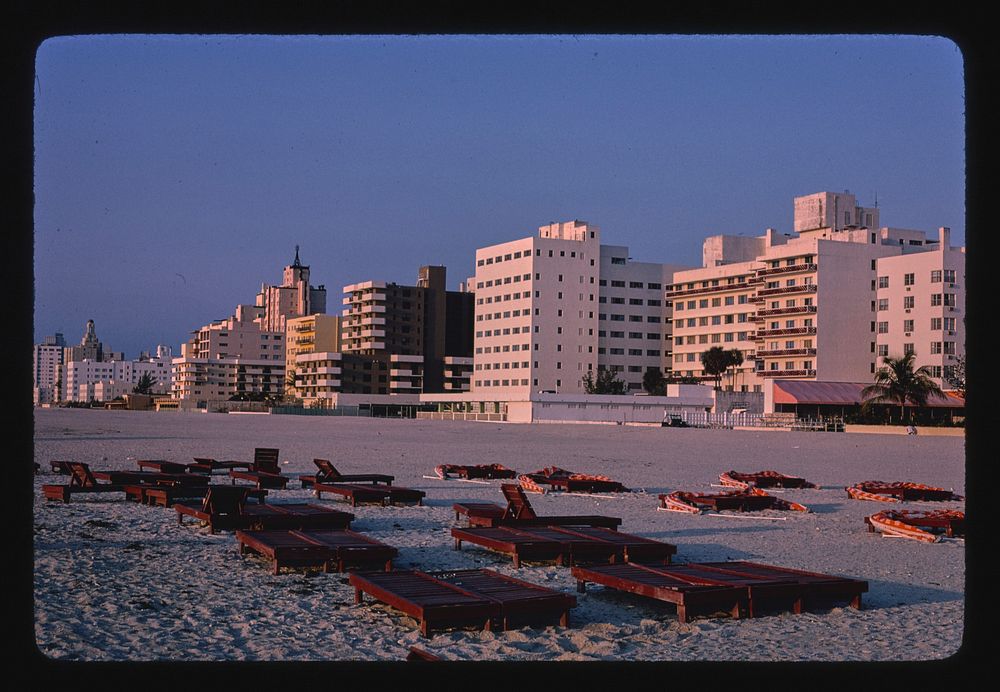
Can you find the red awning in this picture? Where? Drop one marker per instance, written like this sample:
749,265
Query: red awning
841,393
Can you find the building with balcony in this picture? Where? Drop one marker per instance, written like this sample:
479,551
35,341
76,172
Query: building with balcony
308,335
817,305
396,338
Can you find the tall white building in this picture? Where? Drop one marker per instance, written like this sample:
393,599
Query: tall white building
547,305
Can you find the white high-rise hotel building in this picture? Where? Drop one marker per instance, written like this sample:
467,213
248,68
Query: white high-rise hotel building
551,308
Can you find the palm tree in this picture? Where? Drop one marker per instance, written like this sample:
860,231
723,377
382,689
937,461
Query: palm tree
897,382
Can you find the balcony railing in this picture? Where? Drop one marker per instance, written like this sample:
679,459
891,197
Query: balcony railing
675,293
786,373
787,270
791,331
772,312
779,352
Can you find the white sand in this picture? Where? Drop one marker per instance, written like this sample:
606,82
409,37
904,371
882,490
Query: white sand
118,581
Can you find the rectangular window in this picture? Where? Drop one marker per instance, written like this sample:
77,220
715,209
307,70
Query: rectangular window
907,325
908,279
883,327
935,276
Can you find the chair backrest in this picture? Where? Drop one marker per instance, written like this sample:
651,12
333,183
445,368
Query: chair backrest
266,459
326,470
82,477
224,499
518,506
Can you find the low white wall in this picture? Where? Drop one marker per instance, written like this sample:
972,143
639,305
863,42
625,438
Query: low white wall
901,430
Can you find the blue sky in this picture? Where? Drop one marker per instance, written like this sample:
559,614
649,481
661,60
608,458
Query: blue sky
175,174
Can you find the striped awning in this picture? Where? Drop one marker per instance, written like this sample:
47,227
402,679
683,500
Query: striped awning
842,393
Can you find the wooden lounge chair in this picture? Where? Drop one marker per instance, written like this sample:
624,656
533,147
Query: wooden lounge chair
564,545
491,471
360,493
163,466
763,479
519,512
748,587
521,603
327,473
225,507
167,495
152,478
433,603
265,471
209,465
336,550
81,480
690,598
555,478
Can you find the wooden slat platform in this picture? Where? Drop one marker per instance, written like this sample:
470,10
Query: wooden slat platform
224,507
690,598
435,604
260,479
355,493
760,586
565,545
162,466
521,603
336,550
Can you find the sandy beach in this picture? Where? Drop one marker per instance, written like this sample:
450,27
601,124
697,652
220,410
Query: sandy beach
118,581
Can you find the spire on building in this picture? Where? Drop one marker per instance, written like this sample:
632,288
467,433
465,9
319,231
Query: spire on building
296,263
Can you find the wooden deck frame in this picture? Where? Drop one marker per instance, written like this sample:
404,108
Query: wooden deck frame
331,550
564,545
359,493
761,587
161,466
521,602
433,603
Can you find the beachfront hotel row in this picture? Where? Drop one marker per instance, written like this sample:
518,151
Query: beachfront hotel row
811,312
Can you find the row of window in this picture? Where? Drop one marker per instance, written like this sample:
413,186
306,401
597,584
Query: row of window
937,324
909,302
526,253
937,275
727,337
632,352
713,302
706,320
654,319
517,278
631,335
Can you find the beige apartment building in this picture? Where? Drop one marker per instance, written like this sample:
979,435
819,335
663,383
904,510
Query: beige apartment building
293,298
553,307
816,305
306,336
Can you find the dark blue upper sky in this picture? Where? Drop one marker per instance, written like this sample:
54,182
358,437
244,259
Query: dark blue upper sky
175,174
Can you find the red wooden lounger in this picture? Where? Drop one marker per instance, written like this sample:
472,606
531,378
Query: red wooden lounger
224,507
327,473
163,466
746,586
477,471
466,597
208,465
565,545
331,550
815,589
265,471
434,603
690,598
521,603
919,525
152,478
763,479
355,493
167,495
81,480
568,481
519,512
